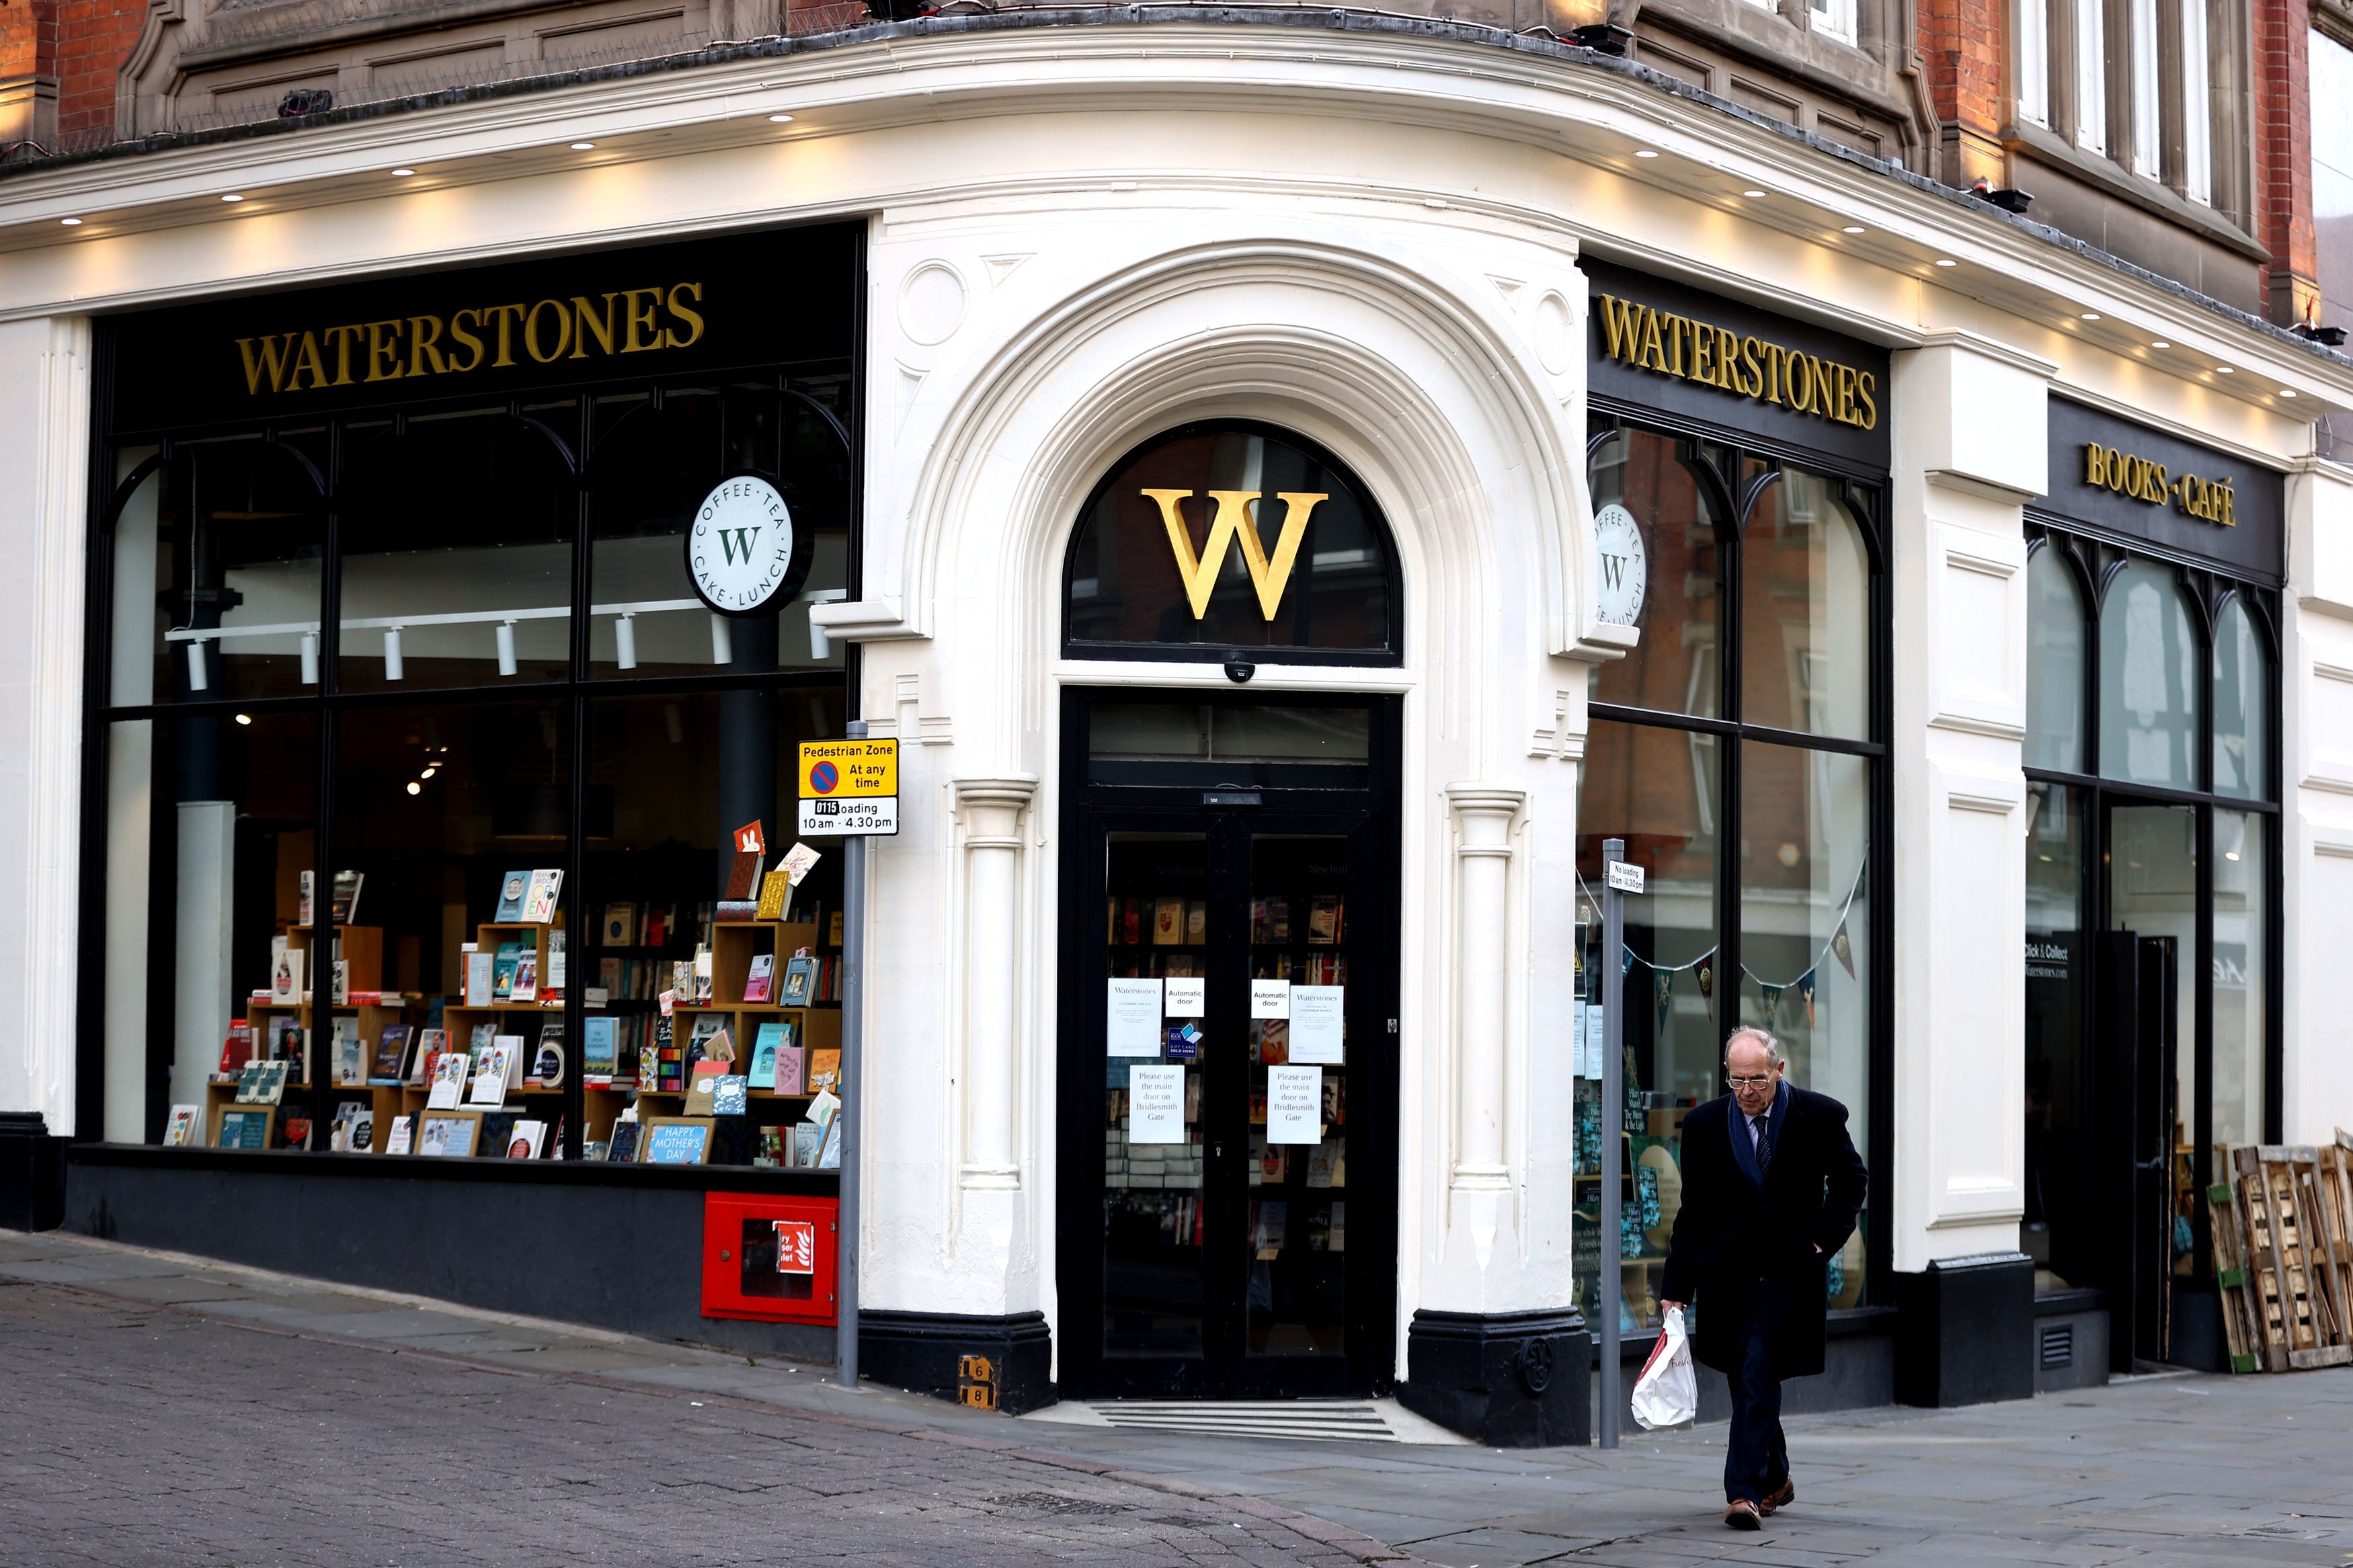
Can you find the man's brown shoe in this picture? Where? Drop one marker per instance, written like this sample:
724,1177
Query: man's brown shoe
1741,1514
1786,1495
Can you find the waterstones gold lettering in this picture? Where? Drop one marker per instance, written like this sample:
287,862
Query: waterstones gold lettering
1668,344
626,322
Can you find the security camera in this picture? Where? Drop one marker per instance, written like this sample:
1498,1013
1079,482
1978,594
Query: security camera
1239,670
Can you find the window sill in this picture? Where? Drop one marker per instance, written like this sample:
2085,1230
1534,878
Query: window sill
2111,179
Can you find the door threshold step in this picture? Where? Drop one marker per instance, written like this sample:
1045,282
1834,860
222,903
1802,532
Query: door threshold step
1291,1420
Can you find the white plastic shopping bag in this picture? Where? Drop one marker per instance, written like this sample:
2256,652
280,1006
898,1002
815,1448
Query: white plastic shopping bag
1667,1393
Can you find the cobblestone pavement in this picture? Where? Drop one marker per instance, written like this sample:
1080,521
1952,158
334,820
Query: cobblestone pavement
135,1434
159,1409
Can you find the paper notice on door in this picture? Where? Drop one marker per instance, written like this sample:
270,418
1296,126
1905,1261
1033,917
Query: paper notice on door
1316,1024
1294,1105
1156,1105
1132,1020
1187,995
1595,1033
1270,998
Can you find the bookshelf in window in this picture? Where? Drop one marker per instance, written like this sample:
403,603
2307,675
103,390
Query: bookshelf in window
318,1017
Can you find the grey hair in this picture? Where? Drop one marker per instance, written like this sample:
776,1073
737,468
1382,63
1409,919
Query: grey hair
1773,1057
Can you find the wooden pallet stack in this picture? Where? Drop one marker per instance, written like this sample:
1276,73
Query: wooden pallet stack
2283,1256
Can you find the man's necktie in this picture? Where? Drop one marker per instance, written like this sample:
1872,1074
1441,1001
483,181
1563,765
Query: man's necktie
1764,1146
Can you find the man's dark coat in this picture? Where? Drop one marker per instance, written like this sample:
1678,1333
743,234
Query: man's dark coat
1735,1235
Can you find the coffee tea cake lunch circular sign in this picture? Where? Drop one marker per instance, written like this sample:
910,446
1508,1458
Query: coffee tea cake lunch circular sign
743,552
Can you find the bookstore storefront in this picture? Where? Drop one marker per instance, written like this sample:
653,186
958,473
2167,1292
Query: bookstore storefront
1739,465
458,657
2153,870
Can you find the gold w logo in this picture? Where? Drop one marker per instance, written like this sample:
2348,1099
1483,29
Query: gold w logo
1236,518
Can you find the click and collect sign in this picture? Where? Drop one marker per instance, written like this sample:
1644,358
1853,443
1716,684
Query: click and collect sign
849,787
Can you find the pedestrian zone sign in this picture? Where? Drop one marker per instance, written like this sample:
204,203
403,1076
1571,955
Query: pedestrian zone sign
849,787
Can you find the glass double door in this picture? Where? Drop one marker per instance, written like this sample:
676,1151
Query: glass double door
1228,1067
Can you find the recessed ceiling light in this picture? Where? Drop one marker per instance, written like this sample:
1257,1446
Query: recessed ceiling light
1752,195
245,718
1946,261
2287,392
1852,228
780,119
2160,343
2090,315
1644,152
416,788
583,146
403,174
70,222
232,196
2225,370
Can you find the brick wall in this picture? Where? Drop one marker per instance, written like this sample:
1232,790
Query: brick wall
1961,49
2283,155
94,36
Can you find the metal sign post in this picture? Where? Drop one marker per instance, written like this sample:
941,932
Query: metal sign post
1619,878
850,787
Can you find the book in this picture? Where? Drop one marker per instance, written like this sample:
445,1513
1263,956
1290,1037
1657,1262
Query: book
345,908
705,966
261,1083
540,895
829,1153
237,1049
699,1036
403,1132
1197,922
350,1053
1167,922
493,1130
293,1129
525,986
547,1056
551,979
736,911
447,1136
391,1055
833,929
600,1053
702,1088
285,974
289,1042
243,1129
502,971
1324,911
760,977
825,1071
430,1043
800,980
621,1147
808,1138
620,925
743,870
728,1096
765,1044
512,887
527,1139
180,1129
792,1063
775,888
481,979
451,1071
678,1143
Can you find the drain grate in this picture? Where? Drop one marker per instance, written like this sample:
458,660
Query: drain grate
1055,1504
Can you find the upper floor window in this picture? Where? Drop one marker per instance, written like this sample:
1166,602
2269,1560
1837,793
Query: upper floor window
2131,83
1229,536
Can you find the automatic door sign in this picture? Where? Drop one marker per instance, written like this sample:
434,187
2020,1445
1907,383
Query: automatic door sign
849,787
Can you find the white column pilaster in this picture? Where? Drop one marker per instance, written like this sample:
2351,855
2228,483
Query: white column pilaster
1483,888
991,811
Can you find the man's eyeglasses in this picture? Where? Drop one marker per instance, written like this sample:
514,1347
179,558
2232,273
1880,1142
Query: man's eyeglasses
1751,1082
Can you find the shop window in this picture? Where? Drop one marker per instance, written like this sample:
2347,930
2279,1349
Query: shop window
1660,488
2242,975
218,555
2054,664
654,466
2148,679
457,553
2242,686
1229,536
211,826
1805,610
2055,1230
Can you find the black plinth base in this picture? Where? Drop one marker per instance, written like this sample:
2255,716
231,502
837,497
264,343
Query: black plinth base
991,1363
1511,1380
1965,1331
32,1173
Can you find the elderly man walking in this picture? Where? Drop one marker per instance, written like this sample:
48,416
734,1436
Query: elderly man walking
1771,1186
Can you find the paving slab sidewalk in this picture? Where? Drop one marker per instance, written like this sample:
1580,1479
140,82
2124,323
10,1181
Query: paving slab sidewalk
2154,1472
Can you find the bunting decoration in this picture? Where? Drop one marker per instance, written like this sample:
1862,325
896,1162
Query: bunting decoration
1844,949
1806,989
1706,973
1627,953
1772,1001
1666,986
